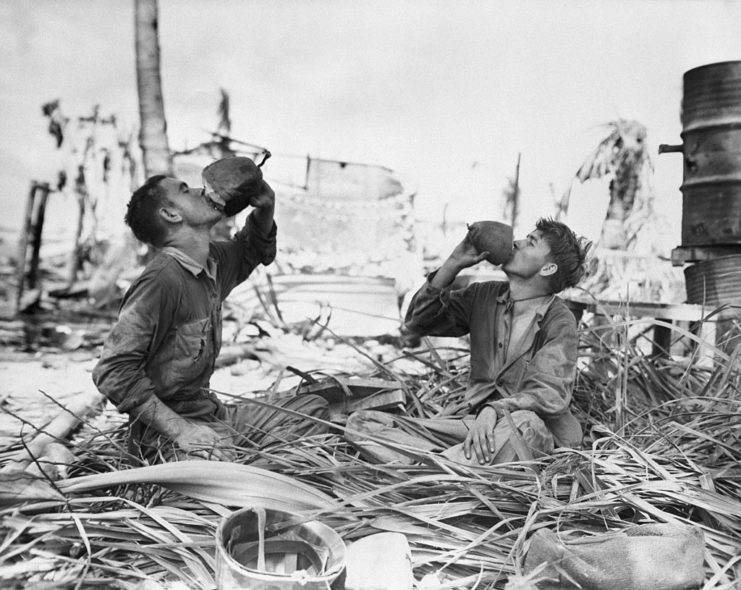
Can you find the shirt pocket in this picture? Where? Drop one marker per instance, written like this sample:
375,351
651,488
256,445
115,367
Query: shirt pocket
191,340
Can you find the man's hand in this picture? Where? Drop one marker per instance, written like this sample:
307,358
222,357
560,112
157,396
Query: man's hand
463,256
265,197
203,441
191,437
264,204
480,439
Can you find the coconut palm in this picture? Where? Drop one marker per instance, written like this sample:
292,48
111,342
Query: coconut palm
153,131
623,157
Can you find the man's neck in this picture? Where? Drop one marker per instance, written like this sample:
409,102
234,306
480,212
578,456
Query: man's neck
193,243
527,289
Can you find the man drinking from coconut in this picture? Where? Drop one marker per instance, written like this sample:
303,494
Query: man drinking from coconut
523,352
159,357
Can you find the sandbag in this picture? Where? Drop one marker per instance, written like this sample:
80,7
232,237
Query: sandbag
642,557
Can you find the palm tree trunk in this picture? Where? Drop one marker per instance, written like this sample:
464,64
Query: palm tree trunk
153,130
613,229
623,188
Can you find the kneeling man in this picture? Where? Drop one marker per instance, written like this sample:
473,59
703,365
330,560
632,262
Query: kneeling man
523,352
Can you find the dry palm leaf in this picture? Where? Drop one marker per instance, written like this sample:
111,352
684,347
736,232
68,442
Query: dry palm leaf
229,484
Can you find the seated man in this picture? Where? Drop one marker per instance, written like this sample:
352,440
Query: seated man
158,359
523,352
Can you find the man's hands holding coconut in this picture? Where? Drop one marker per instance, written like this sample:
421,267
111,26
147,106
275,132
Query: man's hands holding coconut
485,240
466,254
236,182
264,197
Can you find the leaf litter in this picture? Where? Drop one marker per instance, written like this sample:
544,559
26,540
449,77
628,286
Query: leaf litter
661,445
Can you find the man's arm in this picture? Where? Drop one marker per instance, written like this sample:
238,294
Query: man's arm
143,320
192,437
264,204
145,316
252,245
463,256
433,310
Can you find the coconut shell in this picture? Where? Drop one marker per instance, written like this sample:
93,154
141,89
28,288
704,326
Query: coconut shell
234,180
492,237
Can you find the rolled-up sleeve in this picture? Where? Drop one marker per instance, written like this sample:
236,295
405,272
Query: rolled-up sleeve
250,247
120,373
440,312
260,247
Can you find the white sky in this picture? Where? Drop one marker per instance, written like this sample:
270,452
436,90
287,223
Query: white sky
445,92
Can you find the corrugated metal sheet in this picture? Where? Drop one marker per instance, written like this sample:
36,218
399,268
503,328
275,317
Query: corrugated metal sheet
359,306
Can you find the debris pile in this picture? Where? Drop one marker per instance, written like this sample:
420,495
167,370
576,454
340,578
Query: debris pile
675,460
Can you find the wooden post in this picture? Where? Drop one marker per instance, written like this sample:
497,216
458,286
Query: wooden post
20,263
621,383
662,342
38,228
706,349
76,254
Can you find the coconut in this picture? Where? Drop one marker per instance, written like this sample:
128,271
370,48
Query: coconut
232,183
493,237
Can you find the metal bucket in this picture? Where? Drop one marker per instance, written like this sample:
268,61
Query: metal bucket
711,134
260,549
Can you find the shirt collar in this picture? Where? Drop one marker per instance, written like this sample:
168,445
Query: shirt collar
506,298
189,264
544,305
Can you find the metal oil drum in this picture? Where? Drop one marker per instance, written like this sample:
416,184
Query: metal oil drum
711,133
714,282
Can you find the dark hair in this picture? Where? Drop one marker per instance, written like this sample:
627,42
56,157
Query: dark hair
568,251
141,214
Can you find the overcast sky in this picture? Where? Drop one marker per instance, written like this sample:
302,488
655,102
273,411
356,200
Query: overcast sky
446,92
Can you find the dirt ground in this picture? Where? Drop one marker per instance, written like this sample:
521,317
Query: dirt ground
32,372
30,379
25,375
62,376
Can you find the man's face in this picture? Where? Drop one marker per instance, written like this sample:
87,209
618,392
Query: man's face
192,204
528,256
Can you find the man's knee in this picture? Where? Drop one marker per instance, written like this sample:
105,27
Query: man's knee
533,430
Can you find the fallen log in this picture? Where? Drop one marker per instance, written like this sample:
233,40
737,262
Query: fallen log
54,463
57,430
